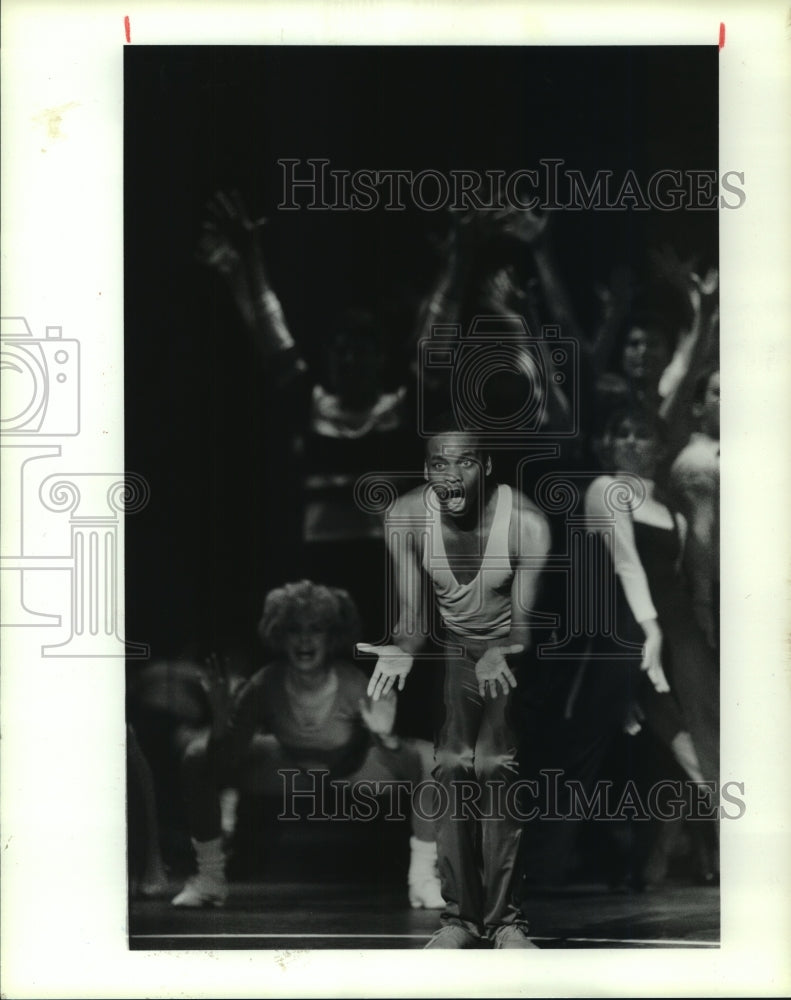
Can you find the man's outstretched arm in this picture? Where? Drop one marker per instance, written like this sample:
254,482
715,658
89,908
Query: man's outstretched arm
529,542
409,633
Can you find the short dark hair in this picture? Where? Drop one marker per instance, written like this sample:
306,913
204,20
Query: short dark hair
637,414
446,423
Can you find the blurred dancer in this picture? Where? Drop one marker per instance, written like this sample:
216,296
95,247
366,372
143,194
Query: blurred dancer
695,482
677,695
307,710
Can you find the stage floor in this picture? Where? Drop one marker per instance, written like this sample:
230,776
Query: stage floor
288,915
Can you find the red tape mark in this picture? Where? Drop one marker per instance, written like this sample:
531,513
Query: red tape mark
128,31
722,35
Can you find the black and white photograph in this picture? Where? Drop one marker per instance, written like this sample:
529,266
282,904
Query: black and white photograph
402,585
430,567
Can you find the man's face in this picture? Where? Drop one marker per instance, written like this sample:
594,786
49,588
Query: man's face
709,407
456,468
645,355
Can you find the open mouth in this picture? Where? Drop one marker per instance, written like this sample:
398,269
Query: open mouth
452,498
305,655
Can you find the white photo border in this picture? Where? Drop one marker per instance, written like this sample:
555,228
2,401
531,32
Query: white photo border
63,773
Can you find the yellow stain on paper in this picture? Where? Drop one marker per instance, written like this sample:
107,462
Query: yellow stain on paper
52,119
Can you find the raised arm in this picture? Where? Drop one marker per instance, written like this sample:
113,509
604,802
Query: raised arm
230,243
529,541
696,349
442,304
379,719
556,295
234,717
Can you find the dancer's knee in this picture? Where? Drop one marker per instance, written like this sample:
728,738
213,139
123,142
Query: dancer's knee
491,766
454,764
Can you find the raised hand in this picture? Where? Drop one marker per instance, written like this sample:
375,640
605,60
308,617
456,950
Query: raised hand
228,233
700,291
215,681
379,716
492,670
392,666
668,266
216,250
704,298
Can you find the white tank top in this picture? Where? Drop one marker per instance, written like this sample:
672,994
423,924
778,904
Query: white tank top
480,609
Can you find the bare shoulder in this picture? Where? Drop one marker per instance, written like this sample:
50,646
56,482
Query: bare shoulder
601,482
696,468
596,494
530,525
525,509
405,523
410,505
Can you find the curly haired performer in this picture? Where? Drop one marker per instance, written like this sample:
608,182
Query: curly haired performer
483,547
307,710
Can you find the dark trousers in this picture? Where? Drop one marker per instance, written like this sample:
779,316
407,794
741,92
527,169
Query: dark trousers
694,677
475,764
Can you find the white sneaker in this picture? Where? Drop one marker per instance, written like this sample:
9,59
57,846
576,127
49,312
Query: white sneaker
202,890
423,880
425,894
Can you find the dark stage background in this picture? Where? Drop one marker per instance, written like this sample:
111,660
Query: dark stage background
201,555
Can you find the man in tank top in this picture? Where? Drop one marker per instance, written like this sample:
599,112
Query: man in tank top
479,548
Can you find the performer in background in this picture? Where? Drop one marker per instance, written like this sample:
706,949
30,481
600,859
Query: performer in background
267,388
695,484
677,693
307,710
654,604
324,425
478,548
